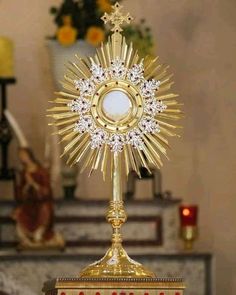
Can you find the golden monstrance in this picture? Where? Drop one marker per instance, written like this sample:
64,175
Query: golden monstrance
115,115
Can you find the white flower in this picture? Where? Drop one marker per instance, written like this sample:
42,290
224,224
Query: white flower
134,138
86,87
148,88
149,125
99,74
81,105
98,138
117,69
85,124
135,74
117,142
153,106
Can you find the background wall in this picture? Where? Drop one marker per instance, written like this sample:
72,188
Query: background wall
197,38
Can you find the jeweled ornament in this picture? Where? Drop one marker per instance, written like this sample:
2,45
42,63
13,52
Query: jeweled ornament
114,115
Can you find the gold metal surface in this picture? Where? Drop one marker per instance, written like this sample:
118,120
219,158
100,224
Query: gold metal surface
117,18
69,285
129,121
116,262
189,234
154,144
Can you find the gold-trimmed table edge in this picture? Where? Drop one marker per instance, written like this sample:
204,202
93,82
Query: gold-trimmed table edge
110,283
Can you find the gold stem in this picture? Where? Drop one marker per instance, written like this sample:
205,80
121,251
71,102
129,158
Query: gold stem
116,44
116,215
116,179
116,262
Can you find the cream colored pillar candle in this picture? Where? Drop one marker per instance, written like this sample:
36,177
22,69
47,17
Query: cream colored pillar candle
6,58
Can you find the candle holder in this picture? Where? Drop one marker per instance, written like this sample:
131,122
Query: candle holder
188,225
5,131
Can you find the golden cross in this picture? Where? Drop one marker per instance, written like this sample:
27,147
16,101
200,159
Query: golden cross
117,18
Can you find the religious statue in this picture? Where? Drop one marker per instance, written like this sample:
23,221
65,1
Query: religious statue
34,214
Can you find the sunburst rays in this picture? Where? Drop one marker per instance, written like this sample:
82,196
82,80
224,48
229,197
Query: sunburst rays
153,142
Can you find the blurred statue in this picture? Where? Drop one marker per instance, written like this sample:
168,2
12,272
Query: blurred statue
34,214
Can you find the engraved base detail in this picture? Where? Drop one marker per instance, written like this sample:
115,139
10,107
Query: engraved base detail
116,262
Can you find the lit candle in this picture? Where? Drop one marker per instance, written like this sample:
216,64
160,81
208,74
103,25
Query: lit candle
188,225
188,215
6,58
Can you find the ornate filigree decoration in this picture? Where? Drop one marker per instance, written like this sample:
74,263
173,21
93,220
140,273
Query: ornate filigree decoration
139,136
114,114
117,18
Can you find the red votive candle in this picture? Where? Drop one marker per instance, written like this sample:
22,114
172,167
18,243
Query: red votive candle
188,215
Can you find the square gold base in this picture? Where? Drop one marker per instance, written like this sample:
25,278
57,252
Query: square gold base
114,286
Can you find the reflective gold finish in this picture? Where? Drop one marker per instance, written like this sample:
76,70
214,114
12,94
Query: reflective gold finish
129,121
78,145
189,234
116,262
105,286
117,18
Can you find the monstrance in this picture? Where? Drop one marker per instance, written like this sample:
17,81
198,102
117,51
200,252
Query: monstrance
115,115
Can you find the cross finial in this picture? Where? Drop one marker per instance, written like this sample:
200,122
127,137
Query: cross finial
117,18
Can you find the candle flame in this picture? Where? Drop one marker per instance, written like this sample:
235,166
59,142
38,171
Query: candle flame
186,212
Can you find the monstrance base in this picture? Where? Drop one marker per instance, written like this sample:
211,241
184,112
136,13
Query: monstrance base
116,263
